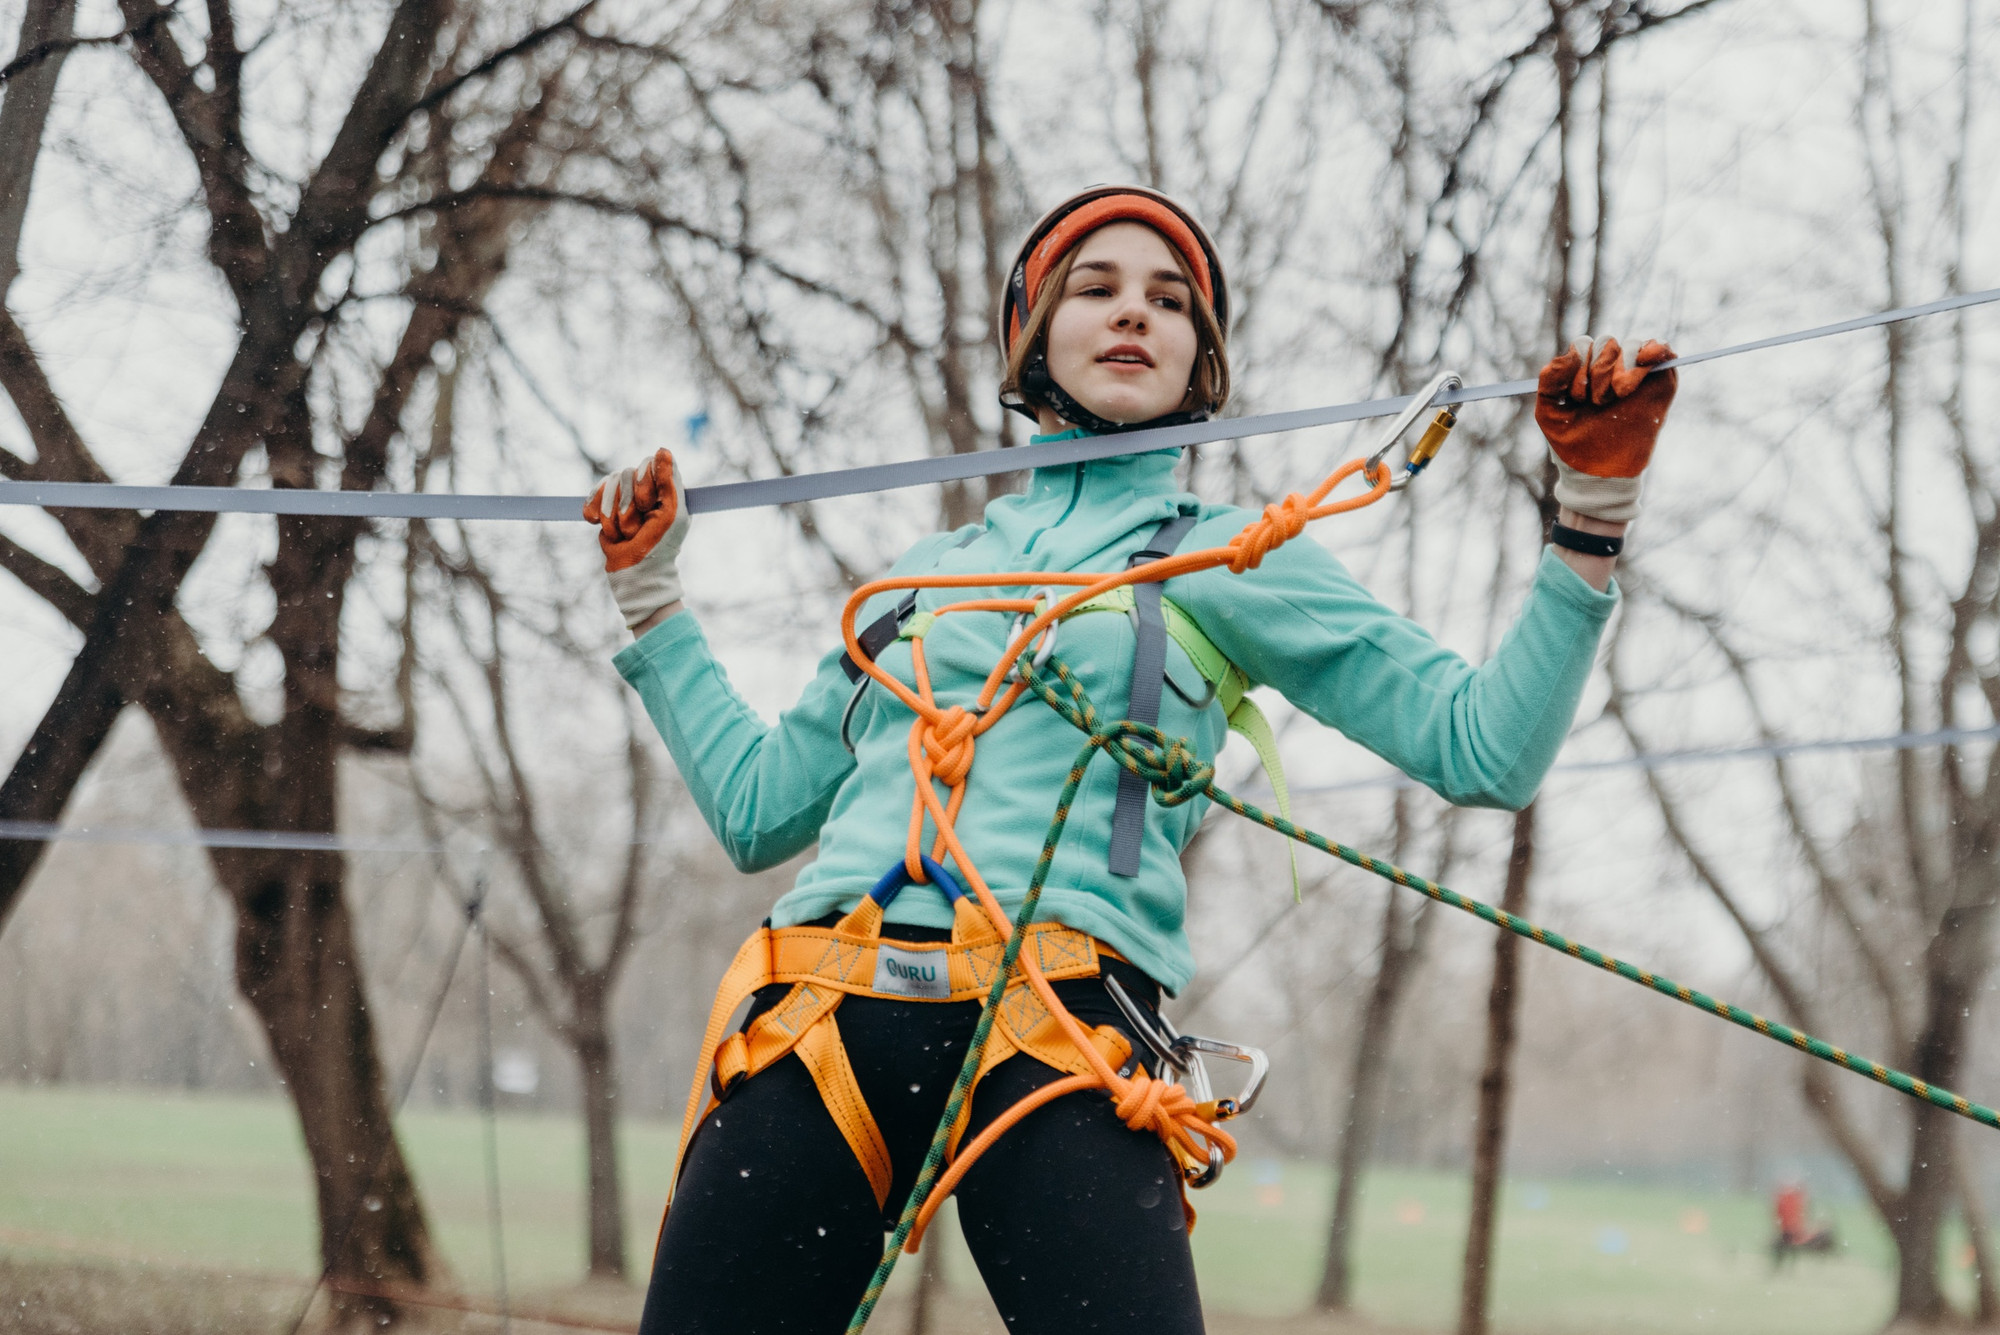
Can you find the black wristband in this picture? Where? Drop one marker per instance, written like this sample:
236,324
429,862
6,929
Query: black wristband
1590,544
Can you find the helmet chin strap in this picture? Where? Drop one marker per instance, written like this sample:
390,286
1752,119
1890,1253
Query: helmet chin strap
1036,382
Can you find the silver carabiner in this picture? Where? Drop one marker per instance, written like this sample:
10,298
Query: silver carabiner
1048,644
1182,1053
1440,384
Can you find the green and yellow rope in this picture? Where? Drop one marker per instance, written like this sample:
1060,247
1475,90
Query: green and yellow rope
1177,774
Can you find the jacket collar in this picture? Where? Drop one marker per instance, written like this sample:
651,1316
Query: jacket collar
1072,515
1115,481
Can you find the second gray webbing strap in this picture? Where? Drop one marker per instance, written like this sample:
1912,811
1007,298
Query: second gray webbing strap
1149,667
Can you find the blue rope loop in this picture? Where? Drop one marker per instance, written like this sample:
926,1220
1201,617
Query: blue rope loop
899,876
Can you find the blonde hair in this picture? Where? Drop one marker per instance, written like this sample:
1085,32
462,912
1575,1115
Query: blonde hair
1208,387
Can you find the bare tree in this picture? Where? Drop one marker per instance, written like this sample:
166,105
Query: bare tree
569,963
1903,872
439,102
1405,924
1489,1134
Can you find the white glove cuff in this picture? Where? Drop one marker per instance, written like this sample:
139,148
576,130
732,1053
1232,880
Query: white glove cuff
1615,500
645,588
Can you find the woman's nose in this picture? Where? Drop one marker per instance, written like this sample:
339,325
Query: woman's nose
1130,315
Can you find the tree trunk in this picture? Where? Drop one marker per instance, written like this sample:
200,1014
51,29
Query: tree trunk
600,1105
1400,945
1987,1285
1955,963
296,962
1489,1136
24,114
296,965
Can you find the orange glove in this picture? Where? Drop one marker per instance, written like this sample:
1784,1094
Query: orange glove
1601,419
642,520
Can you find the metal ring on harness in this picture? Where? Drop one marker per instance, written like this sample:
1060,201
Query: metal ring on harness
1182,1053
847,714
1048,644
1207,699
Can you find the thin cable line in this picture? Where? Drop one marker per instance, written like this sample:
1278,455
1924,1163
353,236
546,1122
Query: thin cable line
490,1117
1899,741
852,481
35,831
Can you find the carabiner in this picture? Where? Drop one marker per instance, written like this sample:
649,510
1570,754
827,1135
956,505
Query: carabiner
1048,644
1440,384
1182,1053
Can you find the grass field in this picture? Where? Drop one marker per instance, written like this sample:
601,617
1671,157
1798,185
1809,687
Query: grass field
220,1184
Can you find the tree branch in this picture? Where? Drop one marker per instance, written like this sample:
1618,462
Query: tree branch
625,917
24,116
333,210
1832,887
102,536
50,583
1641,18
524,46
211,125
530,977
656,219
51,50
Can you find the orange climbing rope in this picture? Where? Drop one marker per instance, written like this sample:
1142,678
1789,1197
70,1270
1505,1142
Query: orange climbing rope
941,747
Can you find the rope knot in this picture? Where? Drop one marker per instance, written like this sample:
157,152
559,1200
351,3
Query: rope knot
1158,1106
1148,1103
1279,524
1173,768
947,744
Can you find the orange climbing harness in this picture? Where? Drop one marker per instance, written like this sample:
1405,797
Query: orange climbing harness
824,964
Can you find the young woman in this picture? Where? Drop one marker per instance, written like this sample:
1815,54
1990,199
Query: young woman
1115,317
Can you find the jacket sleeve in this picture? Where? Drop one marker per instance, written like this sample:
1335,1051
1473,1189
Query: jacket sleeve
1481,736
764,789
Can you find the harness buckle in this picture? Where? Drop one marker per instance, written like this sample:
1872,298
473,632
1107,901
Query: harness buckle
1182,1053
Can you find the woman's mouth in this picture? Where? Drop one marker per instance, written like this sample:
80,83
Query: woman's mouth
1126,354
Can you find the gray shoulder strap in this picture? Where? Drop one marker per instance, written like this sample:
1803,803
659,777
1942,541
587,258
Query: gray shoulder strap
1149,667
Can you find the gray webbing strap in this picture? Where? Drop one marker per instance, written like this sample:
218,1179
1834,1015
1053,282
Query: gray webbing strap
1149,668
851,481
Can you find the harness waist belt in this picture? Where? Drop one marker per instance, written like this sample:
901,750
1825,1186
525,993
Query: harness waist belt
851,958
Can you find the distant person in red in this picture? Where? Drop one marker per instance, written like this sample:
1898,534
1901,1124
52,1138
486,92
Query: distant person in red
1796,1232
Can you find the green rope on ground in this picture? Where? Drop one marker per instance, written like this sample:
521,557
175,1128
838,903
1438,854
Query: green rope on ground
1177,774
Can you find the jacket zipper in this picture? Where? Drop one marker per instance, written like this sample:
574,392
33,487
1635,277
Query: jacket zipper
1075,492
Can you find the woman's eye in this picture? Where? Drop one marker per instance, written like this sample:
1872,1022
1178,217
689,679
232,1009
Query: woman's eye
1169,303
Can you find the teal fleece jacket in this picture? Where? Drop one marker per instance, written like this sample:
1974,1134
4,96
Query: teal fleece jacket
1299,623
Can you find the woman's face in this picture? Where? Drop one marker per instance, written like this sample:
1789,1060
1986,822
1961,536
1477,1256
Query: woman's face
1121,340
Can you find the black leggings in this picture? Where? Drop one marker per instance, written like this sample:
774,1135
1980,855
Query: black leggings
1073,1218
